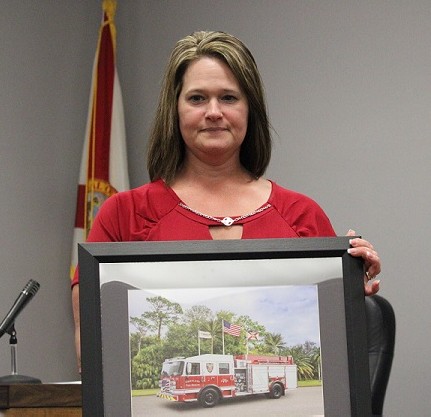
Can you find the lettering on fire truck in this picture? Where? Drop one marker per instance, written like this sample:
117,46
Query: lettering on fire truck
209,378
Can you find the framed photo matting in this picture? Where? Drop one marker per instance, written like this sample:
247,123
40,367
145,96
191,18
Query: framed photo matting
263,280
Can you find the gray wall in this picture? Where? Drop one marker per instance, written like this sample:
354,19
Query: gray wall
348,87
46,55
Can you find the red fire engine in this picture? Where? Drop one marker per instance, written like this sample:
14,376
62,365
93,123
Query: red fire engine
209,378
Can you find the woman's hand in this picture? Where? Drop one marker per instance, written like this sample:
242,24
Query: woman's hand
364,249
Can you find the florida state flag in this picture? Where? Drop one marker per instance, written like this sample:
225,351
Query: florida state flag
104,160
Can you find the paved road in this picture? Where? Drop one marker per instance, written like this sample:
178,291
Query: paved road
302,402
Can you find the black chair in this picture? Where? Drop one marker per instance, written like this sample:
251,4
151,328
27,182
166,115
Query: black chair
381,341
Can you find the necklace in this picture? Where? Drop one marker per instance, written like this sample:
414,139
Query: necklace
227,221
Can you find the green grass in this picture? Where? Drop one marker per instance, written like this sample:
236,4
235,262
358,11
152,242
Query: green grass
309,383
143,392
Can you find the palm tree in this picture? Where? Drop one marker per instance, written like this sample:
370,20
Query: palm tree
315,359
274,342
303,361
214,328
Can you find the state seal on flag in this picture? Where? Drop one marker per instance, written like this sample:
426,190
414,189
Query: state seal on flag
98,191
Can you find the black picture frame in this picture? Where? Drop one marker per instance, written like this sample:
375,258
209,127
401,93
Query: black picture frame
105,354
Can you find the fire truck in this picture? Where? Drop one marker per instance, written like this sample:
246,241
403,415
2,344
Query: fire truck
209,378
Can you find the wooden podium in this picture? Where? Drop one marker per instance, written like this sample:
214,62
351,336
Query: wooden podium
41,400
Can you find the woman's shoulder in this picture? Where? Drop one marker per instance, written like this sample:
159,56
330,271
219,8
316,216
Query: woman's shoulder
285,196
153,195
130,215
302,212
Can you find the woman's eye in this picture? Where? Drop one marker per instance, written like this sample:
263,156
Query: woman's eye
229,98
196,98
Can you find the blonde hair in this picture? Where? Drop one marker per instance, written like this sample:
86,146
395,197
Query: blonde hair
166,146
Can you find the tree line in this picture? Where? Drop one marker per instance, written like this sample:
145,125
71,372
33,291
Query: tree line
168,331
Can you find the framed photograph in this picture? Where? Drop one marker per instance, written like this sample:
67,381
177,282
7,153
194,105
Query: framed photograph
265,298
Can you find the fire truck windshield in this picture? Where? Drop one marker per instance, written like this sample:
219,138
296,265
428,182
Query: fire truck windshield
173,368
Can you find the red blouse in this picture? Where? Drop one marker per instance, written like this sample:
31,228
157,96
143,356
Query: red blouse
152,212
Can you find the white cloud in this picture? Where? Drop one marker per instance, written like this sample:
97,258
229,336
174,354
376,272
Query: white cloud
291,311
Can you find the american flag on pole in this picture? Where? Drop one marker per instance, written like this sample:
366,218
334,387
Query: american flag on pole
232,329
104,159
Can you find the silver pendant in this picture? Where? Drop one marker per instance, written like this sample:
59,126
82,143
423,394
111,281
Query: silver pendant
227,221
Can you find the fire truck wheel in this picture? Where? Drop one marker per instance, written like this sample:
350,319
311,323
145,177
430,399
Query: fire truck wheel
276,391
209,397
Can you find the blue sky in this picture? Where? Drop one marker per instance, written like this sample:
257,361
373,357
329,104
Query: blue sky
291,311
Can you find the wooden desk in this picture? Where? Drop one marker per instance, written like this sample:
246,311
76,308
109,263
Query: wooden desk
41,400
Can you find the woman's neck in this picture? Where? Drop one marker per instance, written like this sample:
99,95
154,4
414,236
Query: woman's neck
200,173
221,191
212,179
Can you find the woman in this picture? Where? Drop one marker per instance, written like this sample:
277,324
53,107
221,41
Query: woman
209,147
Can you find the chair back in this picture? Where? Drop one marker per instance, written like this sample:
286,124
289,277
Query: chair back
381,342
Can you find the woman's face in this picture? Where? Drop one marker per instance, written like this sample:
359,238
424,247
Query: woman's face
212,110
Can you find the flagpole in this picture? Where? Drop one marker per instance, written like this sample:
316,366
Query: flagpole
199,344
246,345
222,333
